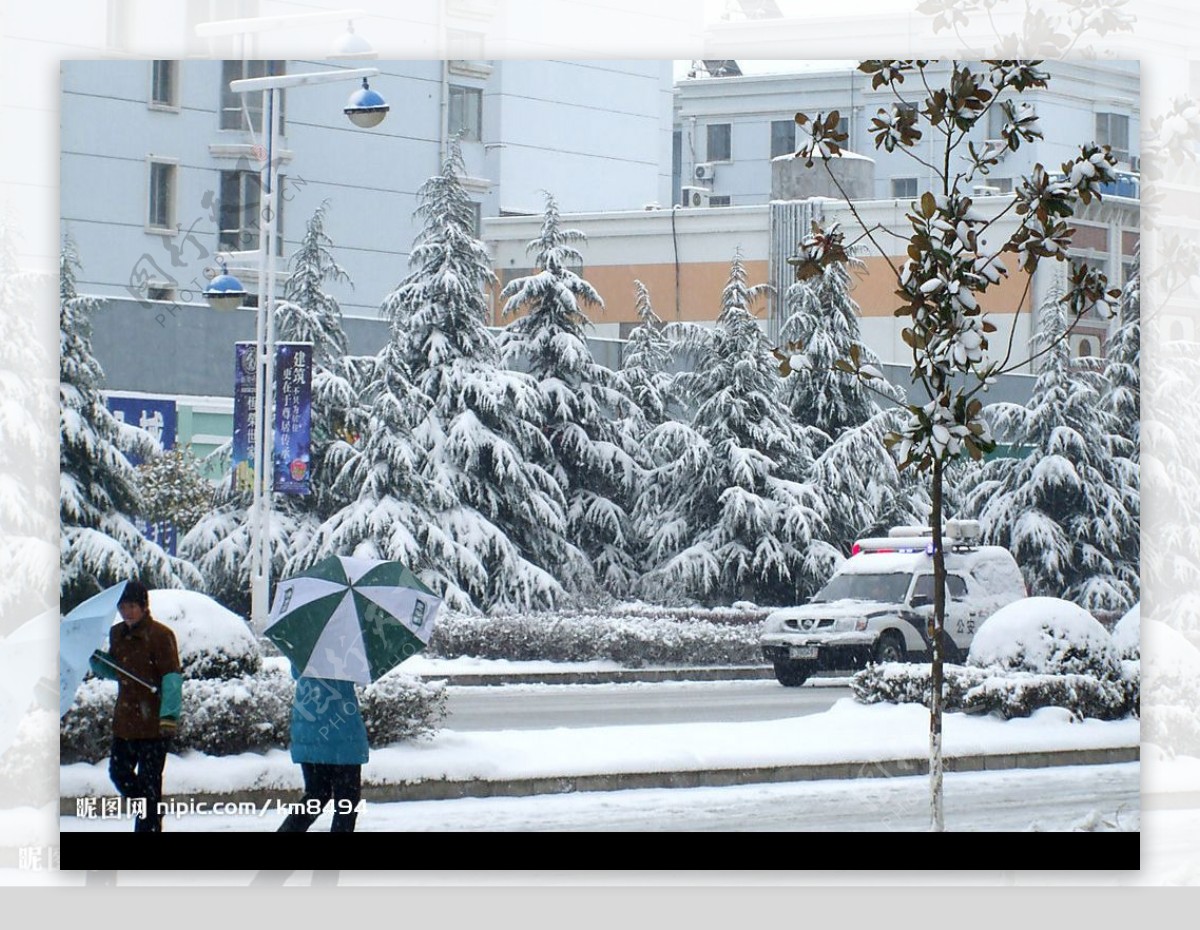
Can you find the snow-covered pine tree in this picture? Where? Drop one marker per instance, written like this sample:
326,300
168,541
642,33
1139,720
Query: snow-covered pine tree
1122,365
308,312
863,490
1122,399
730,518
28,453
1057,508
821,327
391,506
584,403
646,361
496,538
219,543
100,544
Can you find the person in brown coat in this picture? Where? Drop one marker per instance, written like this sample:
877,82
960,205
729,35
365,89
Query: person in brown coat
144,660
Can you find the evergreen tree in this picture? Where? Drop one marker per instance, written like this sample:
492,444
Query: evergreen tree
1057,509
1122,366
645,364
821,328
308,313
100,544
583,401
496,534
28,451
173,489
728,517
863,490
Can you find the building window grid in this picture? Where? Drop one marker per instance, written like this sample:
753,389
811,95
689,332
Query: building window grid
160,211
164,84
1112,129
232,103
466,113
240,208
719,145
783,137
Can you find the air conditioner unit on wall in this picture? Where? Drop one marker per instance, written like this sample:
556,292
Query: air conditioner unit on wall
695,196
704,171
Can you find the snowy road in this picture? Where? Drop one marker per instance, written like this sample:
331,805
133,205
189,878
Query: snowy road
524,707
1103,797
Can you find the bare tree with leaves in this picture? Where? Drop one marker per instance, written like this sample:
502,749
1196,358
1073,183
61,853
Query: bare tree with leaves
953,258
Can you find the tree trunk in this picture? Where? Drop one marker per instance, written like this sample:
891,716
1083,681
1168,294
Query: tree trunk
936,634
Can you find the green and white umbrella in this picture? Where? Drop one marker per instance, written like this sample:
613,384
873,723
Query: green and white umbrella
351,619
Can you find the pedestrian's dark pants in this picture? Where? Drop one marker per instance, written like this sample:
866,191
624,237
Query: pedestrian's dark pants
341,783
136,768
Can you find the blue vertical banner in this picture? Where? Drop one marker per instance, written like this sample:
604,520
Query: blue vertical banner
293,417
244,418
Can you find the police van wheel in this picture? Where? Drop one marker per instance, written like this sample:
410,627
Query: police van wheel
792,674
890,648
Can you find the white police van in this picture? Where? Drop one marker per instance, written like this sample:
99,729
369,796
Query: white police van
878,607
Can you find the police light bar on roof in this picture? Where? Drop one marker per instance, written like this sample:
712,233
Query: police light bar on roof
879,544
918,538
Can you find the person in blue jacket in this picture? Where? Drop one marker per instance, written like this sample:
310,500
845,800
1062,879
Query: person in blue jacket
329,740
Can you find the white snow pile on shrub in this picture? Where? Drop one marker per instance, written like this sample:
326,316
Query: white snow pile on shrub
1172,666
1046,636
1036,652
213,642
585,636
251,714
1127,634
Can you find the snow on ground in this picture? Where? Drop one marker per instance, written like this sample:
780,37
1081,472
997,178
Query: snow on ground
847,732
1084,798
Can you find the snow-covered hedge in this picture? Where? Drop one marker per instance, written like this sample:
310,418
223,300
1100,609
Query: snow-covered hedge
251,714
1127,634
1045,635
675,637
1009,694
213,642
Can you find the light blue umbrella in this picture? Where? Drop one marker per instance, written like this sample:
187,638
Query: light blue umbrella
82,632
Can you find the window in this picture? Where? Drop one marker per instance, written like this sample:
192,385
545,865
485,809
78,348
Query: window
476,218
231,103
159,291
160,213
904,187
1112,130
718,200
783,137
956,588
466,113
719,148
1084,349
163,84
241,193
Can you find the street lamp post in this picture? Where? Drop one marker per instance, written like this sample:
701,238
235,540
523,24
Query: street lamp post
365,109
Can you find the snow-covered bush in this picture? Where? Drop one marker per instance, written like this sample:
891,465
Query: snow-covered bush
1019,694
1127,634
1169,718
399,707
213,642
910,683
1045,635
1008,693
250,714
565,637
